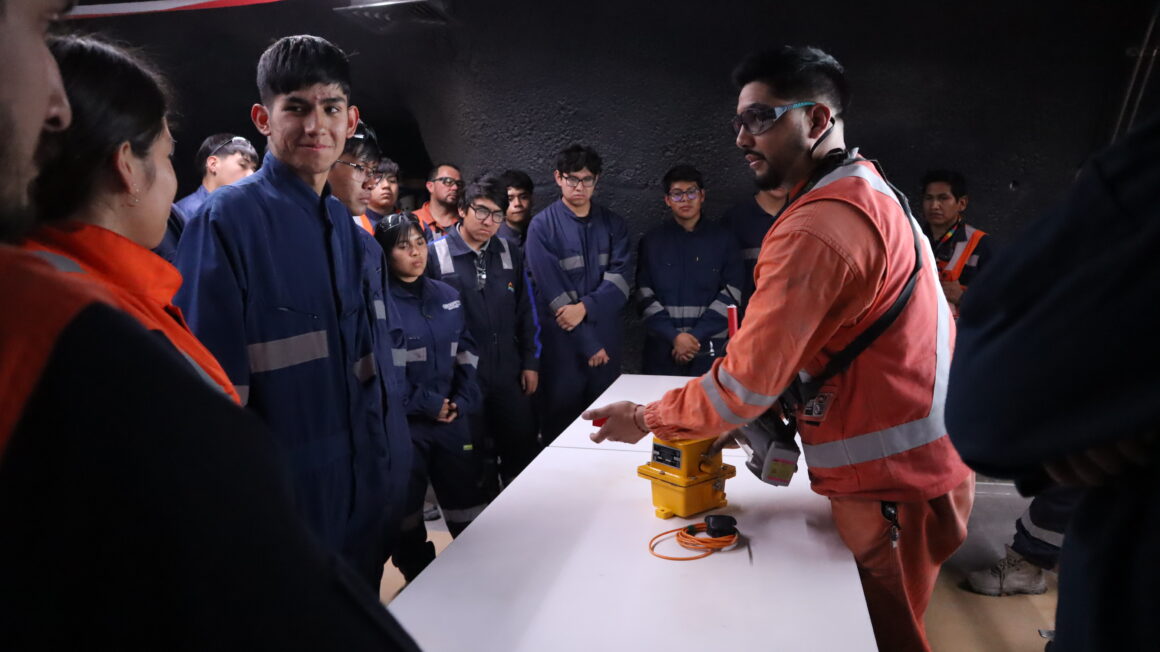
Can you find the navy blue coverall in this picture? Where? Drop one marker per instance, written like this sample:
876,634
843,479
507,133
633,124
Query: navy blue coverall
686,280
578,259
503,324
749,223
441,364
277,287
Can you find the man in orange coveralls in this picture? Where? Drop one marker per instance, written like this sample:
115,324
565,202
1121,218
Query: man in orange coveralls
836,260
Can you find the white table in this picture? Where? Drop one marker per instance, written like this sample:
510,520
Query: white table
559,562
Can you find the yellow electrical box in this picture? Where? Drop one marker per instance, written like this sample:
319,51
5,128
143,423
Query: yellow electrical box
684,481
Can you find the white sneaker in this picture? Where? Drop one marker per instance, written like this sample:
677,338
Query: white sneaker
1010,575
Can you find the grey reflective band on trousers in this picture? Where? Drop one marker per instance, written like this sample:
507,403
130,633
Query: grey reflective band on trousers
565,299
465,515
572,262
750,254
602,259
243,393
364,369
61,263
685,312
399,357
380,309
288,351
202,373
417,355
467,358
443,255
1036,532
505,254
618,281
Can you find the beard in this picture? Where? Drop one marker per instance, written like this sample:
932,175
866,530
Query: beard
16,216
769,180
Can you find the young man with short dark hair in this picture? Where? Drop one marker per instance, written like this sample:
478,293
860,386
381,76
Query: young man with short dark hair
488,271
440,213
519,212
960,250
278,286
354,174
223,159
384,195
688,273
579,254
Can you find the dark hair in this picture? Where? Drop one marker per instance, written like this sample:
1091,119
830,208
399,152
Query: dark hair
363,145
116,96
387,167
394,228
486,186
517,179
435,170
682,173
576,157
954,179
296,62
798,73
223,145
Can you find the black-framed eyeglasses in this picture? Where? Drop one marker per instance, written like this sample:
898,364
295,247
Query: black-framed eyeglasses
572,181
483,214
758,120
684,195
449,182
239,140
367,172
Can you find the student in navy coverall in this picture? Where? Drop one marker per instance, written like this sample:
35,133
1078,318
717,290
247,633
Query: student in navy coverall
277,287
749,221
488,273
580,258
441,392
519,211
688,273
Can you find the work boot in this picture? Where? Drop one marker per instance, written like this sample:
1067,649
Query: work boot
1010,575
430,512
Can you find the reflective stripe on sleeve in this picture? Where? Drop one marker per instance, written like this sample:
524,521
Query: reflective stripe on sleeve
747,396
288,351
900,438
602,259
750,254
565,298
573,262
645,292
202,373
618,281
718,402
380,309
685,312
243,393
719,308
652,309
454,348
733,292
399,357
443,254
467,358
364,369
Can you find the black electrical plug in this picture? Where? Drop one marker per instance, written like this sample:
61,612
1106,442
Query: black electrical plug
720,525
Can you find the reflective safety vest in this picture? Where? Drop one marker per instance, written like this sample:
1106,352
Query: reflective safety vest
951,270
36,304
142,283
877,429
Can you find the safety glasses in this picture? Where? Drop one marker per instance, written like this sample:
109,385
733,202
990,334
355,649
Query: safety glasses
758,120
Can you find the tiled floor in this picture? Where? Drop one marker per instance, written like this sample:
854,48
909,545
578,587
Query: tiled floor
957,620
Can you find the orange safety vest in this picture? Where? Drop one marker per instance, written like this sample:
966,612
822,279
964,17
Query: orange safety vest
952,269
876,430
36,304
141,283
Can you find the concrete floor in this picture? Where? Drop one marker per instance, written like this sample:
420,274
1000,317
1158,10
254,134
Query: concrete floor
957,620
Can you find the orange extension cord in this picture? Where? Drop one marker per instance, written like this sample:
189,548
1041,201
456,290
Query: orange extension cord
687,537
